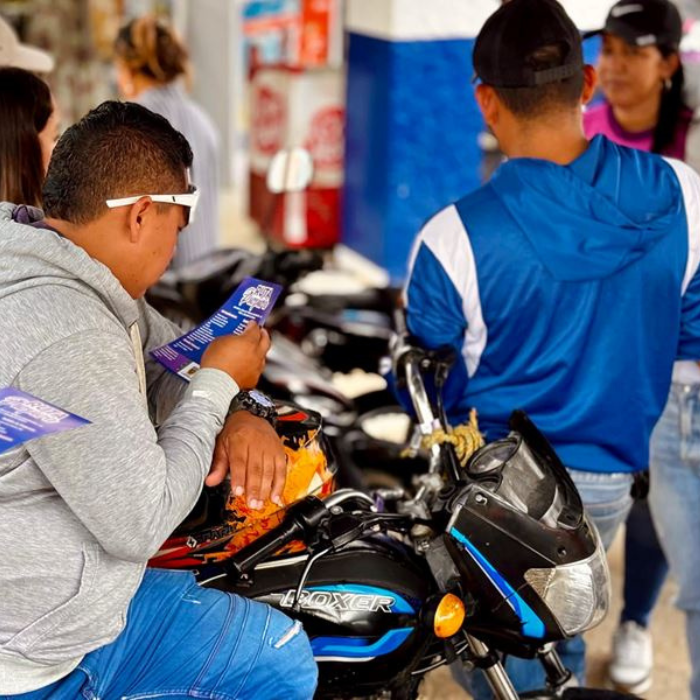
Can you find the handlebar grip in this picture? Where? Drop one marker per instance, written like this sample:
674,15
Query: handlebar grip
266,545
302,518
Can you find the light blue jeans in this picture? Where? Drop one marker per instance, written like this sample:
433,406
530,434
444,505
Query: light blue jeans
184,641
675,505
608,500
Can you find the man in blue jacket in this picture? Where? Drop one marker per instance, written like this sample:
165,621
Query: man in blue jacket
568,284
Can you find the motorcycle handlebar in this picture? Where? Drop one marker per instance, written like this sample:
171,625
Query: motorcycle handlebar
302,519
400,321
248,558
407,359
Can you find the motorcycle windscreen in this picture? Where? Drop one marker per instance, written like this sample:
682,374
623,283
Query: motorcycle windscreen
521,479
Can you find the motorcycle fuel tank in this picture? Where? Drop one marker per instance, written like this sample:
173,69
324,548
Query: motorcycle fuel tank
361,607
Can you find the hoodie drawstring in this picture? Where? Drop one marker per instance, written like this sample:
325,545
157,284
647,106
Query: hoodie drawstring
135,334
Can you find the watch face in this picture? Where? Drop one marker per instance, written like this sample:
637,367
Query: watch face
260,398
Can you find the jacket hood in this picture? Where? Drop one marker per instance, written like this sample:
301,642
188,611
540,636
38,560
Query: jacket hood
595,216
31,256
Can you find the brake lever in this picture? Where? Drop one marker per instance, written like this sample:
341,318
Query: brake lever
348,527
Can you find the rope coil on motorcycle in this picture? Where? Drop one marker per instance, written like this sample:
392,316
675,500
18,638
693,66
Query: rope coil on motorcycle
465,438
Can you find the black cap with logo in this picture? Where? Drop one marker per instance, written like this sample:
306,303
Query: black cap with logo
514,33
645,23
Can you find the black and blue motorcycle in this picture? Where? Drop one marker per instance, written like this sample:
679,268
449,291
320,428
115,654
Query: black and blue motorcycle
493,555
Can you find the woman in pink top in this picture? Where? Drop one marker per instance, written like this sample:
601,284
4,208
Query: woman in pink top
642,82
641,78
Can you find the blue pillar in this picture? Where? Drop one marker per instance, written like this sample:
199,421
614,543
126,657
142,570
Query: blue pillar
412,121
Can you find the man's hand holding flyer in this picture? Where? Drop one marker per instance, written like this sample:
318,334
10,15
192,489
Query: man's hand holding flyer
253,301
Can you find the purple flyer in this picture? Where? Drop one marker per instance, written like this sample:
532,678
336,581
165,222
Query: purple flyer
252,301
25,417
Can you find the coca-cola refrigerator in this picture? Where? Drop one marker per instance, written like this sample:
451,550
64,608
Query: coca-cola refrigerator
298,107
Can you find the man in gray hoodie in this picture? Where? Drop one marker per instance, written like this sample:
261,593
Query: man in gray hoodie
82,512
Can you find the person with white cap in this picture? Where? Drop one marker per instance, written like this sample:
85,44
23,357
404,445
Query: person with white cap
15,54
29,117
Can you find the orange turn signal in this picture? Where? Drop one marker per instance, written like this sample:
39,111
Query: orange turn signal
449,616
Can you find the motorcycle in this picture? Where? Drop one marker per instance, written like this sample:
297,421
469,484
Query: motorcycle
341,315
493,555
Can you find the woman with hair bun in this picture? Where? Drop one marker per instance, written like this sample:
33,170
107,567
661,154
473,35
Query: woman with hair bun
152,63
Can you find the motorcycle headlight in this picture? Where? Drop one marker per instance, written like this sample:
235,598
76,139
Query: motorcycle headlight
578,595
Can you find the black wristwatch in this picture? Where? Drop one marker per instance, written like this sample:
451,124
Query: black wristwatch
256,403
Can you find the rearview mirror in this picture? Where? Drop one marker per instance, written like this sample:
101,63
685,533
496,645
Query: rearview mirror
290,170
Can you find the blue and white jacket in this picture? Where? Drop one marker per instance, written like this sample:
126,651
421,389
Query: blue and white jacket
568,291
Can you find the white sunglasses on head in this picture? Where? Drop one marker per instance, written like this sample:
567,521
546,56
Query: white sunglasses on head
188,200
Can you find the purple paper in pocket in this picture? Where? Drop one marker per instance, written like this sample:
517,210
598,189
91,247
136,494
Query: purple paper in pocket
253,300
25,417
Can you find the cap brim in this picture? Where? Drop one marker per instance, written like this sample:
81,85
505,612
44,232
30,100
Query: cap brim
630,34
33,60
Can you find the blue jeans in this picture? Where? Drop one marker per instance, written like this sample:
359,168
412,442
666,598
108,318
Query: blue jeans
608,501
645,566
675,505
184,641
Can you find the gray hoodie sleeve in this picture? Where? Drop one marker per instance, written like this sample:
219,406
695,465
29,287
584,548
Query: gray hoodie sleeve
127,484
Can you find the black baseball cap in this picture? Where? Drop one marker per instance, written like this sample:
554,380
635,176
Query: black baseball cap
517,30
645,23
